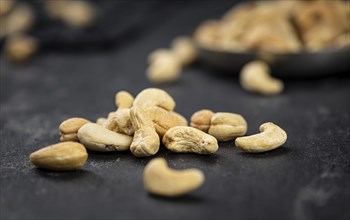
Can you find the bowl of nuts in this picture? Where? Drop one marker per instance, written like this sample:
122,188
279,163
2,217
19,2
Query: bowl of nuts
296,38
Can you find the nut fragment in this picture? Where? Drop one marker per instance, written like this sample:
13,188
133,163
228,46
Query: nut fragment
163,120
154,97
161,180
255,77
97,138
201,119
60,157
182,139
123,99
225,126
120,122
271,137
184,49
146,140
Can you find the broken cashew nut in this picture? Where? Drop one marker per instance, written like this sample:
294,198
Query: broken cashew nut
120,122
154,97
98,138
161,180
183,139
271,137
146,140
255,77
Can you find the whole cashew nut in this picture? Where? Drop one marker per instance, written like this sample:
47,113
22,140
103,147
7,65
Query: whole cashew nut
154,97
255,77
98,138
271,137
161,180
146,140
183,139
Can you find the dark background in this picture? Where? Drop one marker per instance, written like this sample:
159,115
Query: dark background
77,73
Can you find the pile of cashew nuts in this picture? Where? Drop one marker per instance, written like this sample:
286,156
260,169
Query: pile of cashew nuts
140,125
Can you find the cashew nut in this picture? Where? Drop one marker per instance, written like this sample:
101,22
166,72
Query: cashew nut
201,119
146,140
159,179
225,126
164,67
255,77
62,156
120,122
271,137
97,138
163,120
183,139
69,128
154,97
123,99
184,49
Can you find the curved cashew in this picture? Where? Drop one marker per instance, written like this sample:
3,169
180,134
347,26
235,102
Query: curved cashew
255,77
271,137
161,180
123,99
183,139
98,138
146,140
225,126
154,97
163,120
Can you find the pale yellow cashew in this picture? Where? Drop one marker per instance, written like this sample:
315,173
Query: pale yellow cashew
98,138
184,49
146,140
123,99
255,77
271,137
59,157
183,139
164,66
161,180
154,97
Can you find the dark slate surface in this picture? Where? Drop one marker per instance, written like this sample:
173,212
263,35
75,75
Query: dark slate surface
307,178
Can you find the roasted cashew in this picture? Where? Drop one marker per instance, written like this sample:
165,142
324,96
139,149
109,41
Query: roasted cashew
161,180
271,137
255,77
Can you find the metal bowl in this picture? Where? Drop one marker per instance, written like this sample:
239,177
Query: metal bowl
302,64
